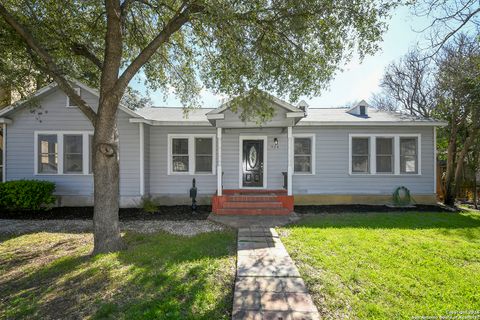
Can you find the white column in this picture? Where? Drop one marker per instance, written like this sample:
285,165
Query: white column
142,158
434,160
290,161
219,161
4,150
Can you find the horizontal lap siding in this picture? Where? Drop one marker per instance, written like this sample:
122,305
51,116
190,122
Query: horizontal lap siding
160,181
56,117
332,161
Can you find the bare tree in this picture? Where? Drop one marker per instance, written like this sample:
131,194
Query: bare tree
449,18
408,86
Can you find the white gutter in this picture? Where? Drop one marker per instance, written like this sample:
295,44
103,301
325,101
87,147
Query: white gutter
367,124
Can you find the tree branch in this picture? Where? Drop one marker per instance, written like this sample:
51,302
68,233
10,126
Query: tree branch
82,50
171,27
50,65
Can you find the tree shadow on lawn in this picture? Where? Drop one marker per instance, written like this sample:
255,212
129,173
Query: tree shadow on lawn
158,276
391,220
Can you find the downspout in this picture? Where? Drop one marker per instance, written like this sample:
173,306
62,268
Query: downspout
142,158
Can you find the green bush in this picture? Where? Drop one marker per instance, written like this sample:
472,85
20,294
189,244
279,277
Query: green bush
27,194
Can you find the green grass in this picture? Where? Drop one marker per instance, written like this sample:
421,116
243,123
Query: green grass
389,265
160,276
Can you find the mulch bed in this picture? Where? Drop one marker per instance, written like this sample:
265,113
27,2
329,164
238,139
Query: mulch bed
126,214
340,208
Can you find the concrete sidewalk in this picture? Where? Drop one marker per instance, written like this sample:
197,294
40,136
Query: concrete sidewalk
268,285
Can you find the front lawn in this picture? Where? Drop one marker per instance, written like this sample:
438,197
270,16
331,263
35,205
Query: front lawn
160,276
389,265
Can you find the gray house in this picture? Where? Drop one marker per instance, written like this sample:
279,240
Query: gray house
301,156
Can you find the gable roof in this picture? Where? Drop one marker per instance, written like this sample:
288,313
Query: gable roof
45,90
287,106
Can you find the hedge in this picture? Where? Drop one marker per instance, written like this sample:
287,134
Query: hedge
27,194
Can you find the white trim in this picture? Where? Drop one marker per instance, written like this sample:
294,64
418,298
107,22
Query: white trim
191,153
78,92
5,121
4,152
396,153
142,157
434,160
219,162
240,160
290,160
295,114
216,116
60,155
312,136
371,123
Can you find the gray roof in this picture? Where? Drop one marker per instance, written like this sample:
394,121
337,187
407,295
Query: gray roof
315,116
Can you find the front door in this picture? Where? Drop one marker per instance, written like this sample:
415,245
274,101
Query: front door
252,165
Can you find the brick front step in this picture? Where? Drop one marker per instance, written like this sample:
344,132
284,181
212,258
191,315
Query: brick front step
252,198
253,211
253,204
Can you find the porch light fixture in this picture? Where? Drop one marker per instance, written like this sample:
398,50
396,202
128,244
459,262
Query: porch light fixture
275,143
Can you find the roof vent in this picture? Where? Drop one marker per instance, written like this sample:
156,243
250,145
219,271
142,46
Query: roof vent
302,105
360,109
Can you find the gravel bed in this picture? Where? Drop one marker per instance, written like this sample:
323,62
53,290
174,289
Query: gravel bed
184,228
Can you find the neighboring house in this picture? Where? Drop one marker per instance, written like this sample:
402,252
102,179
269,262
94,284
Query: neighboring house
302,155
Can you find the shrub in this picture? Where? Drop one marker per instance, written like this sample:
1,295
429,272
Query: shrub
27,194
148,205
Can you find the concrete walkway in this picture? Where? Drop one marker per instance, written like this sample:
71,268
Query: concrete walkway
268,285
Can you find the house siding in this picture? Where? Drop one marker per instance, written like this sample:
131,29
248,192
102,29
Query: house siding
50,114
161,183
332,164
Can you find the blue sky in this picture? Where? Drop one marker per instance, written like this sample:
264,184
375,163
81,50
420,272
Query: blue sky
358,80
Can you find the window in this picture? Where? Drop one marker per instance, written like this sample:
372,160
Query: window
191,154
72,153
72,104
302,155
47,153
203,155
408,155
180,156
384,154
63,152
360,155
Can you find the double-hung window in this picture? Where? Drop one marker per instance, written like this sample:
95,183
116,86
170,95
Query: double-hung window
408,155
191,154
63,153
361,155
384,154
303,154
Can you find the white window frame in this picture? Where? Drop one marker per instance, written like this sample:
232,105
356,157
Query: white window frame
312,138
396,153
60,134
78,92
191,153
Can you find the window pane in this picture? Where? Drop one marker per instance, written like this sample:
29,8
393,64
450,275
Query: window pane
384,146
360,164
360,146
408,146
384,164
180,146
180,163
73,153
203,146
73,163
203,163
408,164
47,153
303,146
408,155
302,164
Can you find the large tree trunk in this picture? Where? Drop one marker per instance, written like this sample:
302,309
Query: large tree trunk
449,197
475,190
106,181
460,162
